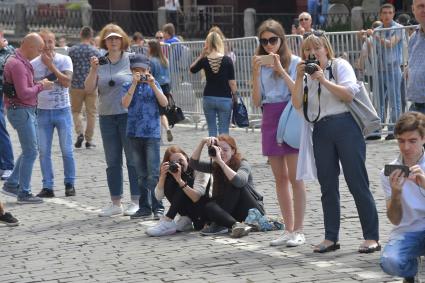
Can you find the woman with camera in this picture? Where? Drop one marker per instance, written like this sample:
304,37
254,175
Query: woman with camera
233,192
108,74
220,86
273,83
336,138
185,189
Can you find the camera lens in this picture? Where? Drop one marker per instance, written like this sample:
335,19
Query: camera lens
111,83
173,167
211,151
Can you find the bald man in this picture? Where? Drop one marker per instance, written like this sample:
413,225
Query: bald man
21,101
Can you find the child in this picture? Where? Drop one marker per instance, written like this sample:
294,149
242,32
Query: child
6,219
142,97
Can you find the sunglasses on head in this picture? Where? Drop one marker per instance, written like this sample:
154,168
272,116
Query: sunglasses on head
315,33
304,19
272,40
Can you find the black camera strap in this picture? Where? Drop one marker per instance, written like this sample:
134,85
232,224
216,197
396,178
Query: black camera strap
305,101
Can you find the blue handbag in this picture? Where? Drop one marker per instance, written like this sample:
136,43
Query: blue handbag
289,128
240,114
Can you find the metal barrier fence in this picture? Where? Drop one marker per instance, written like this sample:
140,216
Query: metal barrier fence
378,66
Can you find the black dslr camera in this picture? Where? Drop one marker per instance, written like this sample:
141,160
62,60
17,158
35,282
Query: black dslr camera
103,60
173,166
311,65
211,150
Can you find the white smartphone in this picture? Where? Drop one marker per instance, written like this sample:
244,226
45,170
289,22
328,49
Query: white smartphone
266,59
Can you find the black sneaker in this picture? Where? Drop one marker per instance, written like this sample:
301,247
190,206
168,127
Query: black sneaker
90,145
25,197
409,280
79,141
214,229
69,190
10,191
46,193
141,214
390,137
7,219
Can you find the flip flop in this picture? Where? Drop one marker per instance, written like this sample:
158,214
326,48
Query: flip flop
370,249
321,248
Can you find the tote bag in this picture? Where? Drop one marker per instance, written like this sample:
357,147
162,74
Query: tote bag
240,114
174,113
289,128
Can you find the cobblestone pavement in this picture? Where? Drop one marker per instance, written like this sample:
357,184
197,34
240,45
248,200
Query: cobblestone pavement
63,240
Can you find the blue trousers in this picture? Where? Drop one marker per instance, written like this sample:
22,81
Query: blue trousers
337,138
6,152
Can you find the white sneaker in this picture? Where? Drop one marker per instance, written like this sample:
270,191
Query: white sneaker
298,239
162,228
240,230
6,174
286,236
111,210
131,209
184,224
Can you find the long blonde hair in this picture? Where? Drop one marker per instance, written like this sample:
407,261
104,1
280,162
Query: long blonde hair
214,42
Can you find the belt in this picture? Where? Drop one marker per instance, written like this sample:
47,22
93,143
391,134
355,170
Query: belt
335,116
419,105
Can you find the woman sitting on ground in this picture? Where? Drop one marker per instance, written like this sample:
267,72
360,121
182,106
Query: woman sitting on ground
233,187
185,189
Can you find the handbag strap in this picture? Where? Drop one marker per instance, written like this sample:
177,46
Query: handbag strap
305,101
171,101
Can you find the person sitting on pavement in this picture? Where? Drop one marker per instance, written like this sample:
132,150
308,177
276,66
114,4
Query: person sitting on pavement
143,97
185,189
405,196
6,218
54,111
233,192
21,103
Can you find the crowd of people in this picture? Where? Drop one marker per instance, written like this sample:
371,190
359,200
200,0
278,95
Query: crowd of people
128,86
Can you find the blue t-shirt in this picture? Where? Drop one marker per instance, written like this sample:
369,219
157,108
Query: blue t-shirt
159,71
273,87
143,112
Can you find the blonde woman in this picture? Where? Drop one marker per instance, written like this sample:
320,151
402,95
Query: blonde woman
220,86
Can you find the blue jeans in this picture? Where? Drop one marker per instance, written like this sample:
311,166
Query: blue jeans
48,120
24,121
113,131
6,152
337,138
147,160
217,107
389,91
399,257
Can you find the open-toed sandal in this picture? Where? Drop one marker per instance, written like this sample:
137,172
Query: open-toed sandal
376,247
322,248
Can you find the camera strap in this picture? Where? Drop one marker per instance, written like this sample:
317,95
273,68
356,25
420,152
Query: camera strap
305,101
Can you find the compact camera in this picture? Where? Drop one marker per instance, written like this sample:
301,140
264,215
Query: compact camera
143,78
311,65
173,166
211,150
103,60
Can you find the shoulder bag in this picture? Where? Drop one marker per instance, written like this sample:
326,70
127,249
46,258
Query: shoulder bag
289,128
239,113
174,113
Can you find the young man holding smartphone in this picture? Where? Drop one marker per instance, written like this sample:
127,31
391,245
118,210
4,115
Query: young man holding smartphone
405,198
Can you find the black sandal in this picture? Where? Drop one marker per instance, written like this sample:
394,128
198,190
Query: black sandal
321,248
370,249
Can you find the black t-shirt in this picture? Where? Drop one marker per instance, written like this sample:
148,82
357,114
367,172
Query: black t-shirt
218,72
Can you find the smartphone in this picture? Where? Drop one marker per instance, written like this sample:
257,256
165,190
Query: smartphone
51,77
389,168
267,59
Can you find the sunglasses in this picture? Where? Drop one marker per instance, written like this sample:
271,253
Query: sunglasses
317,33
304,19
159,37
272,40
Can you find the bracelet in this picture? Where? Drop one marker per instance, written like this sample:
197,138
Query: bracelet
184,185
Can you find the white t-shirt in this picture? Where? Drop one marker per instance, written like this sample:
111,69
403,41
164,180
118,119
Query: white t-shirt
58,97
412,203
172,5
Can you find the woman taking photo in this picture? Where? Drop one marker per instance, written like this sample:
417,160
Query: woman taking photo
233,187
184,188
159,70
220,86
272,88
108,74
336,138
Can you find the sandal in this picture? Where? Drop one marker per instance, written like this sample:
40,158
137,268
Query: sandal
322,248
370,249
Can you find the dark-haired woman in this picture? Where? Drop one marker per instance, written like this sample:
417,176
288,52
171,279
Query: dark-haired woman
233,187
160,71
273,85
184,188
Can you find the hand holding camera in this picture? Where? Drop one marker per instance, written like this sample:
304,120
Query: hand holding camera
136,78
103,60
47,85
94,62
311,65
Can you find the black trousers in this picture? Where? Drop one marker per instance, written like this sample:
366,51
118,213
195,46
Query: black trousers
231,207
180,203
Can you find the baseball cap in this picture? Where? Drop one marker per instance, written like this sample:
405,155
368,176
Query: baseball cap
113,34
139,61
